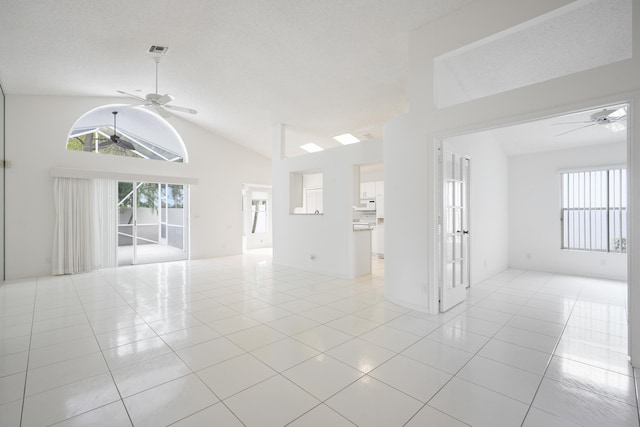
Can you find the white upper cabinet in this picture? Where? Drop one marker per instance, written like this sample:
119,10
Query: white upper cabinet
367,190
379,188
374,190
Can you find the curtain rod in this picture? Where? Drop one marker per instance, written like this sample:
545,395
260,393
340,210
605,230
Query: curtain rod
120,176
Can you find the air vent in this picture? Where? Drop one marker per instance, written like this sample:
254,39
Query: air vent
158,50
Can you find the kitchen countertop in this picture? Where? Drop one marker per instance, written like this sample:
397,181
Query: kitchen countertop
362,226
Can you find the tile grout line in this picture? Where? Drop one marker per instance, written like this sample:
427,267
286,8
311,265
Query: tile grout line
553,354
476,354
466,363
101,350
26,373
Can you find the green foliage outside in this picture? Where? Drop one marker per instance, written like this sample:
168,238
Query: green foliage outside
619,245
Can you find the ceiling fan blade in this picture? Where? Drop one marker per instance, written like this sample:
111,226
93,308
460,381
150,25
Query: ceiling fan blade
125,144
620,113
576,129
181,109
617,119
160,109
105,144
139,98
164,99
571,123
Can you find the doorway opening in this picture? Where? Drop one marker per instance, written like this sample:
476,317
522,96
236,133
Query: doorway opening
522,217
152,222
257,230
369,206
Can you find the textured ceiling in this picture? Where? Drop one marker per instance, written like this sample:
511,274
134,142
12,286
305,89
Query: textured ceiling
583,35
322,67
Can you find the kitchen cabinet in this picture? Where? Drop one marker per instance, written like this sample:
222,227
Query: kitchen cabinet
379,199
367,190
379,232
374,242
314,200
370,190
362,251
380,207
379,188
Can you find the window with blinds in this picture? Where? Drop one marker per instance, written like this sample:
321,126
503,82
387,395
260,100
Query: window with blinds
594,210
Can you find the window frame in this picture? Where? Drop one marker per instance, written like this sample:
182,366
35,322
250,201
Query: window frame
579,212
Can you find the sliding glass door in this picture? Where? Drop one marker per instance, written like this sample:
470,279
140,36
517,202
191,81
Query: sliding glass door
125,223
151,222
172,216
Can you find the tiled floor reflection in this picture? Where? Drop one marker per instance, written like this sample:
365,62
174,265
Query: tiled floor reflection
236,341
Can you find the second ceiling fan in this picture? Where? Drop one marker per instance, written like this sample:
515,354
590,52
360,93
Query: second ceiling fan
115,139
614,119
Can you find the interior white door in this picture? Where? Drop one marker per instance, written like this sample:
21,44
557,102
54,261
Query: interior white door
454,244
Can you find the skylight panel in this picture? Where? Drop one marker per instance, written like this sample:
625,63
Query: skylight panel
346,139
311,147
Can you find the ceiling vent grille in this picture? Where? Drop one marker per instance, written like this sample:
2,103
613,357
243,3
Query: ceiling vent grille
158,50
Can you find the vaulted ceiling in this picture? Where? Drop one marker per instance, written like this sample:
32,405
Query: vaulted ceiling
321,67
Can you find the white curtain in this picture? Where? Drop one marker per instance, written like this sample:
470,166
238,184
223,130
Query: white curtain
85,231
73,236
106,221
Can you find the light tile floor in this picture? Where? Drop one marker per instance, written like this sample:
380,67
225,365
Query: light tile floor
237,341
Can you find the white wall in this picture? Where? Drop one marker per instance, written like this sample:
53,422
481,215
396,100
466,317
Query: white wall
372,175
534,205
2,184
36,135
410,274
407,211
328,237
489,203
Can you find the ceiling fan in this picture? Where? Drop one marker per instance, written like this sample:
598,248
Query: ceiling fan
159,103
115,138
612,119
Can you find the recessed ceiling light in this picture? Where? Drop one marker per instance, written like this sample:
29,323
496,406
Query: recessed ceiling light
311,147
346,139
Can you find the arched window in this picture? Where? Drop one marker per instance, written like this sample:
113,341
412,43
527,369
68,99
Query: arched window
139,133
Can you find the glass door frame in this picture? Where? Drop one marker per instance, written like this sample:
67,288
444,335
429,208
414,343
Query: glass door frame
453,226
162,207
